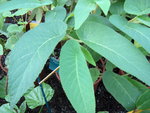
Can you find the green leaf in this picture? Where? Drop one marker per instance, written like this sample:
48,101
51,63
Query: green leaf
1,21
61,2
76,79
59,13
17,4
88,56
84,7
29,56
1,49
14,28
3,87
82,10
136,31
95,55
144,19
137,7
5,108
110,66
141,87
121,89
143,101
11,41
21,11
100,19
35,98
116,48
117,8
95,73
104,5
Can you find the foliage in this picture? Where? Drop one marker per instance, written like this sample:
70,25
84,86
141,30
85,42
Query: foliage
87,30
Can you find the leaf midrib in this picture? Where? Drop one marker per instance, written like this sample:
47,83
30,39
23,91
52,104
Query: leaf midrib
77,73
32,58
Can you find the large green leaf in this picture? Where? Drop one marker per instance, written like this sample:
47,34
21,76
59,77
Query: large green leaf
35,98
137,7
138,32
116,49
16,4
143,101
84,7
76,79
121,89
29,56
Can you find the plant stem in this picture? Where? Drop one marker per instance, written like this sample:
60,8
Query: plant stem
41,109
70,37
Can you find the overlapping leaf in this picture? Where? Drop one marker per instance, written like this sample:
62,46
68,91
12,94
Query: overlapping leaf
121,89
29,56
116,49
84,7
138,32
76,79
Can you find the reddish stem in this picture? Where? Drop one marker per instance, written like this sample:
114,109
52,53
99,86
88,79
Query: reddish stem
103,65
96,83
1,66
57,76
121,72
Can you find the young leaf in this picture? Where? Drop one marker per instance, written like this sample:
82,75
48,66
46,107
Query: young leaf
1,49
143,101
35,98
29,56
76,79
137,7
104,5
95,73
136,31
17,4
116,49
121,89
59,13
88,56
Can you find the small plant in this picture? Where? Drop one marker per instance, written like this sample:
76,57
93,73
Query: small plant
116,32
